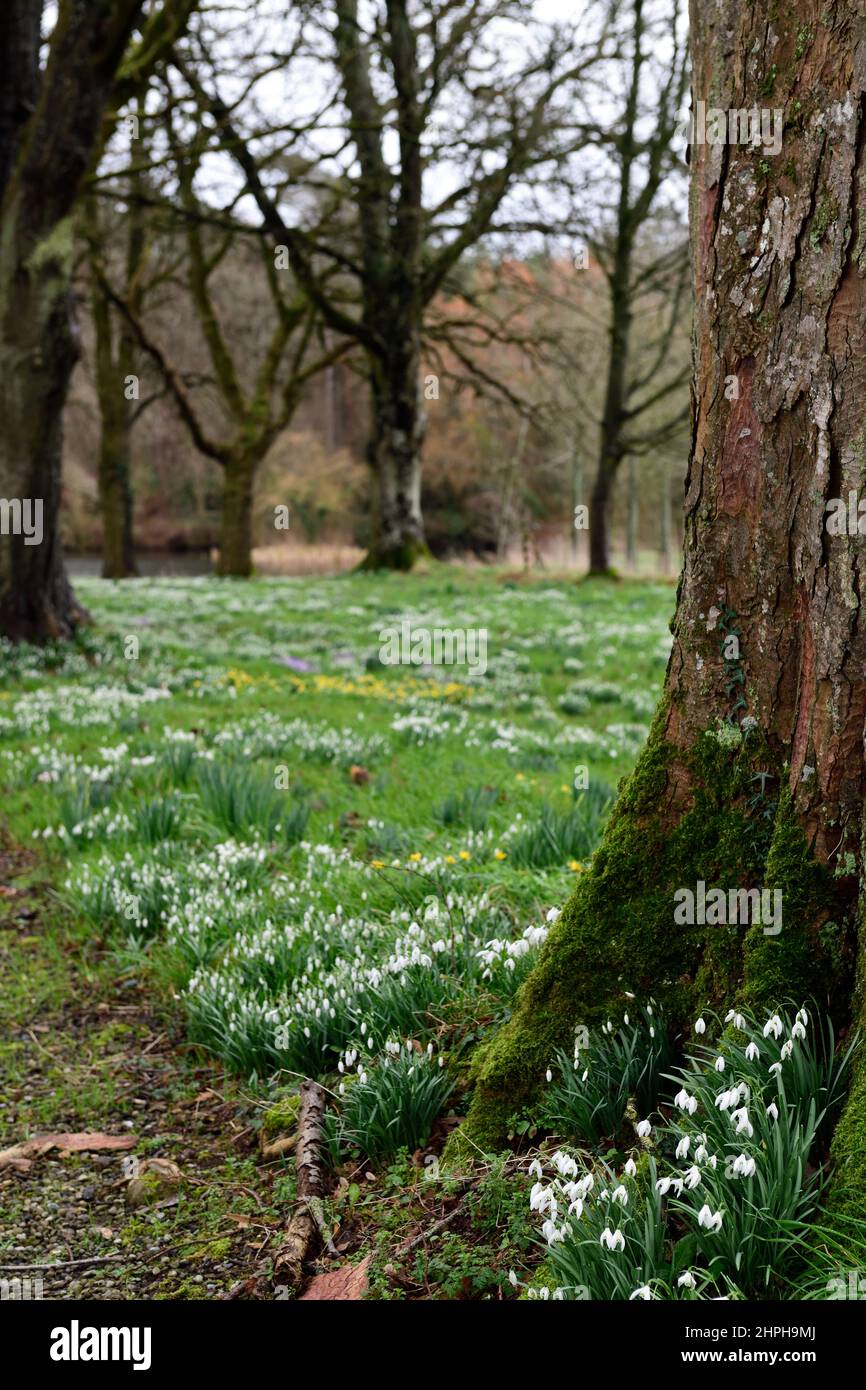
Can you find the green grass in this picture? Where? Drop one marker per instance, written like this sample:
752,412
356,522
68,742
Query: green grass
306,850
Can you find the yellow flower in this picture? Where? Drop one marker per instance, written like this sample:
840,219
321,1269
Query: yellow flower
499,854
449,859
519,777
415,857
378,863
574,866
464,854
565,787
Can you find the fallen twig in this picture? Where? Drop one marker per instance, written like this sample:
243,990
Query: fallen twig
303,1224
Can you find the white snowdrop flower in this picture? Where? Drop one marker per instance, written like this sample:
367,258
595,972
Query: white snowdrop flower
773,1110
692,1177
620,1195
539,1197
649,1009
719,1064
625,1019
709,1220
552,914
686,1280
548,1075
725,1099
802,1017
752,1052
700,1026
630,1167
576,1208
786,1050
512,1278
729,1015
774,1026
644,1292
614,1240
535,1170
798,1031
644,1129
551,1232
745,1165
743,1124
663,1186
681,1099
701,1154
775,1067
713,1161
682,1148
585,1074
652,1031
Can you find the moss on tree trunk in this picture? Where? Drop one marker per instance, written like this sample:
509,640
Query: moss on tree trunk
754,774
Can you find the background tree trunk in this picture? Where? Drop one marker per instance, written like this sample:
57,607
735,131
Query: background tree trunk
394,454
236,534
45,164
753,774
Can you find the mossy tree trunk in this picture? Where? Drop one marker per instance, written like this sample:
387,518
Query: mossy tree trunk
394,454
49,129
236,533
754,770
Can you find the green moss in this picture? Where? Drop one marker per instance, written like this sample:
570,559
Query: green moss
617,932
282,1117
794,964
848,1152
55,252
401,557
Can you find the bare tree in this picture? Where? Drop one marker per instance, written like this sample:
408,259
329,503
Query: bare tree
434,116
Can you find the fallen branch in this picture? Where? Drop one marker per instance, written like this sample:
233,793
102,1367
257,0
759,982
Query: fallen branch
304,1222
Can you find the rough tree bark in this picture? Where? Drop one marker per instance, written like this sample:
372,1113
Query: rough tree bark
236,533
49,130
753,774
394,455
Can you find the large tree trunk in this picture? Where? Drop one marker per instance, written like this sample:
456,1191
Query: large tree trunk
236,535
397,434
38,340
754,771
